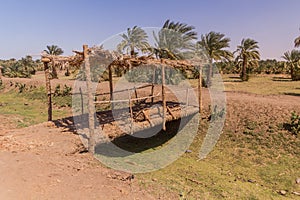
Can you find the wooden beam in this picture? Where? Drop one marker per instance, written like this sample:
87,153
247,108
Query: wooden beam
81,99
171,113
187,97
163,92
153,82
92,140
147,118
48,89
136,95
131,112
200,89
111,87
45,60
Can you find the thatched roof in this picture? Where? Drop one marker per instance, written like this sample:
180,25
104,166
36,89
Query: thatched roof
118,60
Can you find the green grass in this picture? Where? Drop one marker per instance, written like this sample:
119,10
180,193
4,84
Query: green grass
30,108
240,167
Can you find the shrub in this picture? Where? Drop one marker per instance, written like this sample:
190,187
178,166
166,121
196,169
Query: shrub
66,91
21,87
1,84
295,123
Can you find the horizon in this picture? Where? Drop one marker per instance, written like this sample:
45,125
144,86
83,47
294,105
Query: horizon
27,28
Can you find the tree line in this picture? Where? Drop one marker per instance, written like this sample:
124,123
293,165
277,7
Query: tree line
22,68
176,40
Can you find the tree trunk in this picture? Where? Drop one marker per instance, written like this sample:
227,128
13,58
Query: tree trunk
292,72
244,70
54,71
132,51
48,88
92,140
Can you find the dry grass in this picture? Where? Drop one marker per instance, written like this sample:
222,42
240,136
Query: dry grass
263,84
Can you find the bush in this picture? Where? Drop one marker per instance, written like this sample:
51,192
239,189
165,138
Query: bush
295,123
21,87
66,91
1,84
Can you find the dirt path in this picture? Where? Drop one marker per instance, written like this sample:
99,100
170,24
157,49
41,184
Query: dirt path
43,162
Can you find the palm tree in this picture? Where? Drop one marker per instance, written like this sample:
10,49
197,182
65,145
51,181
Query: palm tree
248,56
214,44
297,41
54,50
292,58
135,39
174,40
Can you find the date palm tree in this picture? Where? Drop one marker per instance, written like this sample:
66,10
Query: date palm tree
248,56
214,45
174,40
292,58
54,50
135,39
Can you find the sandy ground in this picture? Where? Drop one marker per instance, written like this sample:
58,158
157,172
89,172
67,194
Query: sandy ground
44,162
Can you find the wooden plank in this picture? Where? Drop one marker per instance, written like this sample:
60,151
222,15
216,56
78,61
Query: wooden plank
124,90
171,113
157,120
125,100
147,118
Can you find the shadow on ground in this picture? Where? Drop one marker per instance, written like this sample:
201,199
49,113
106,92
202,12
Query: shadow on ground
281,79
292,93
129,143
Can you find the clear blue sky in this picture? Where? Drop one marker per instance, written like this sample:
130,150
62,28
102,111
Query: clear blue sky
28,26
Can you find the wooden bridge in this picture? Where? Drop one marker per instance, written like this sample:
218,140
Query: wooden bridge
142,111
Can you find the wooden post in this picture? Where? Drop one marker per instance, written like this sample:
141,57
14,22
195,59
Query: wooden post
111,89
131,112
48,88
153,82
163,93
152,93
200,89
92,141
81,99
187,97
136,95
